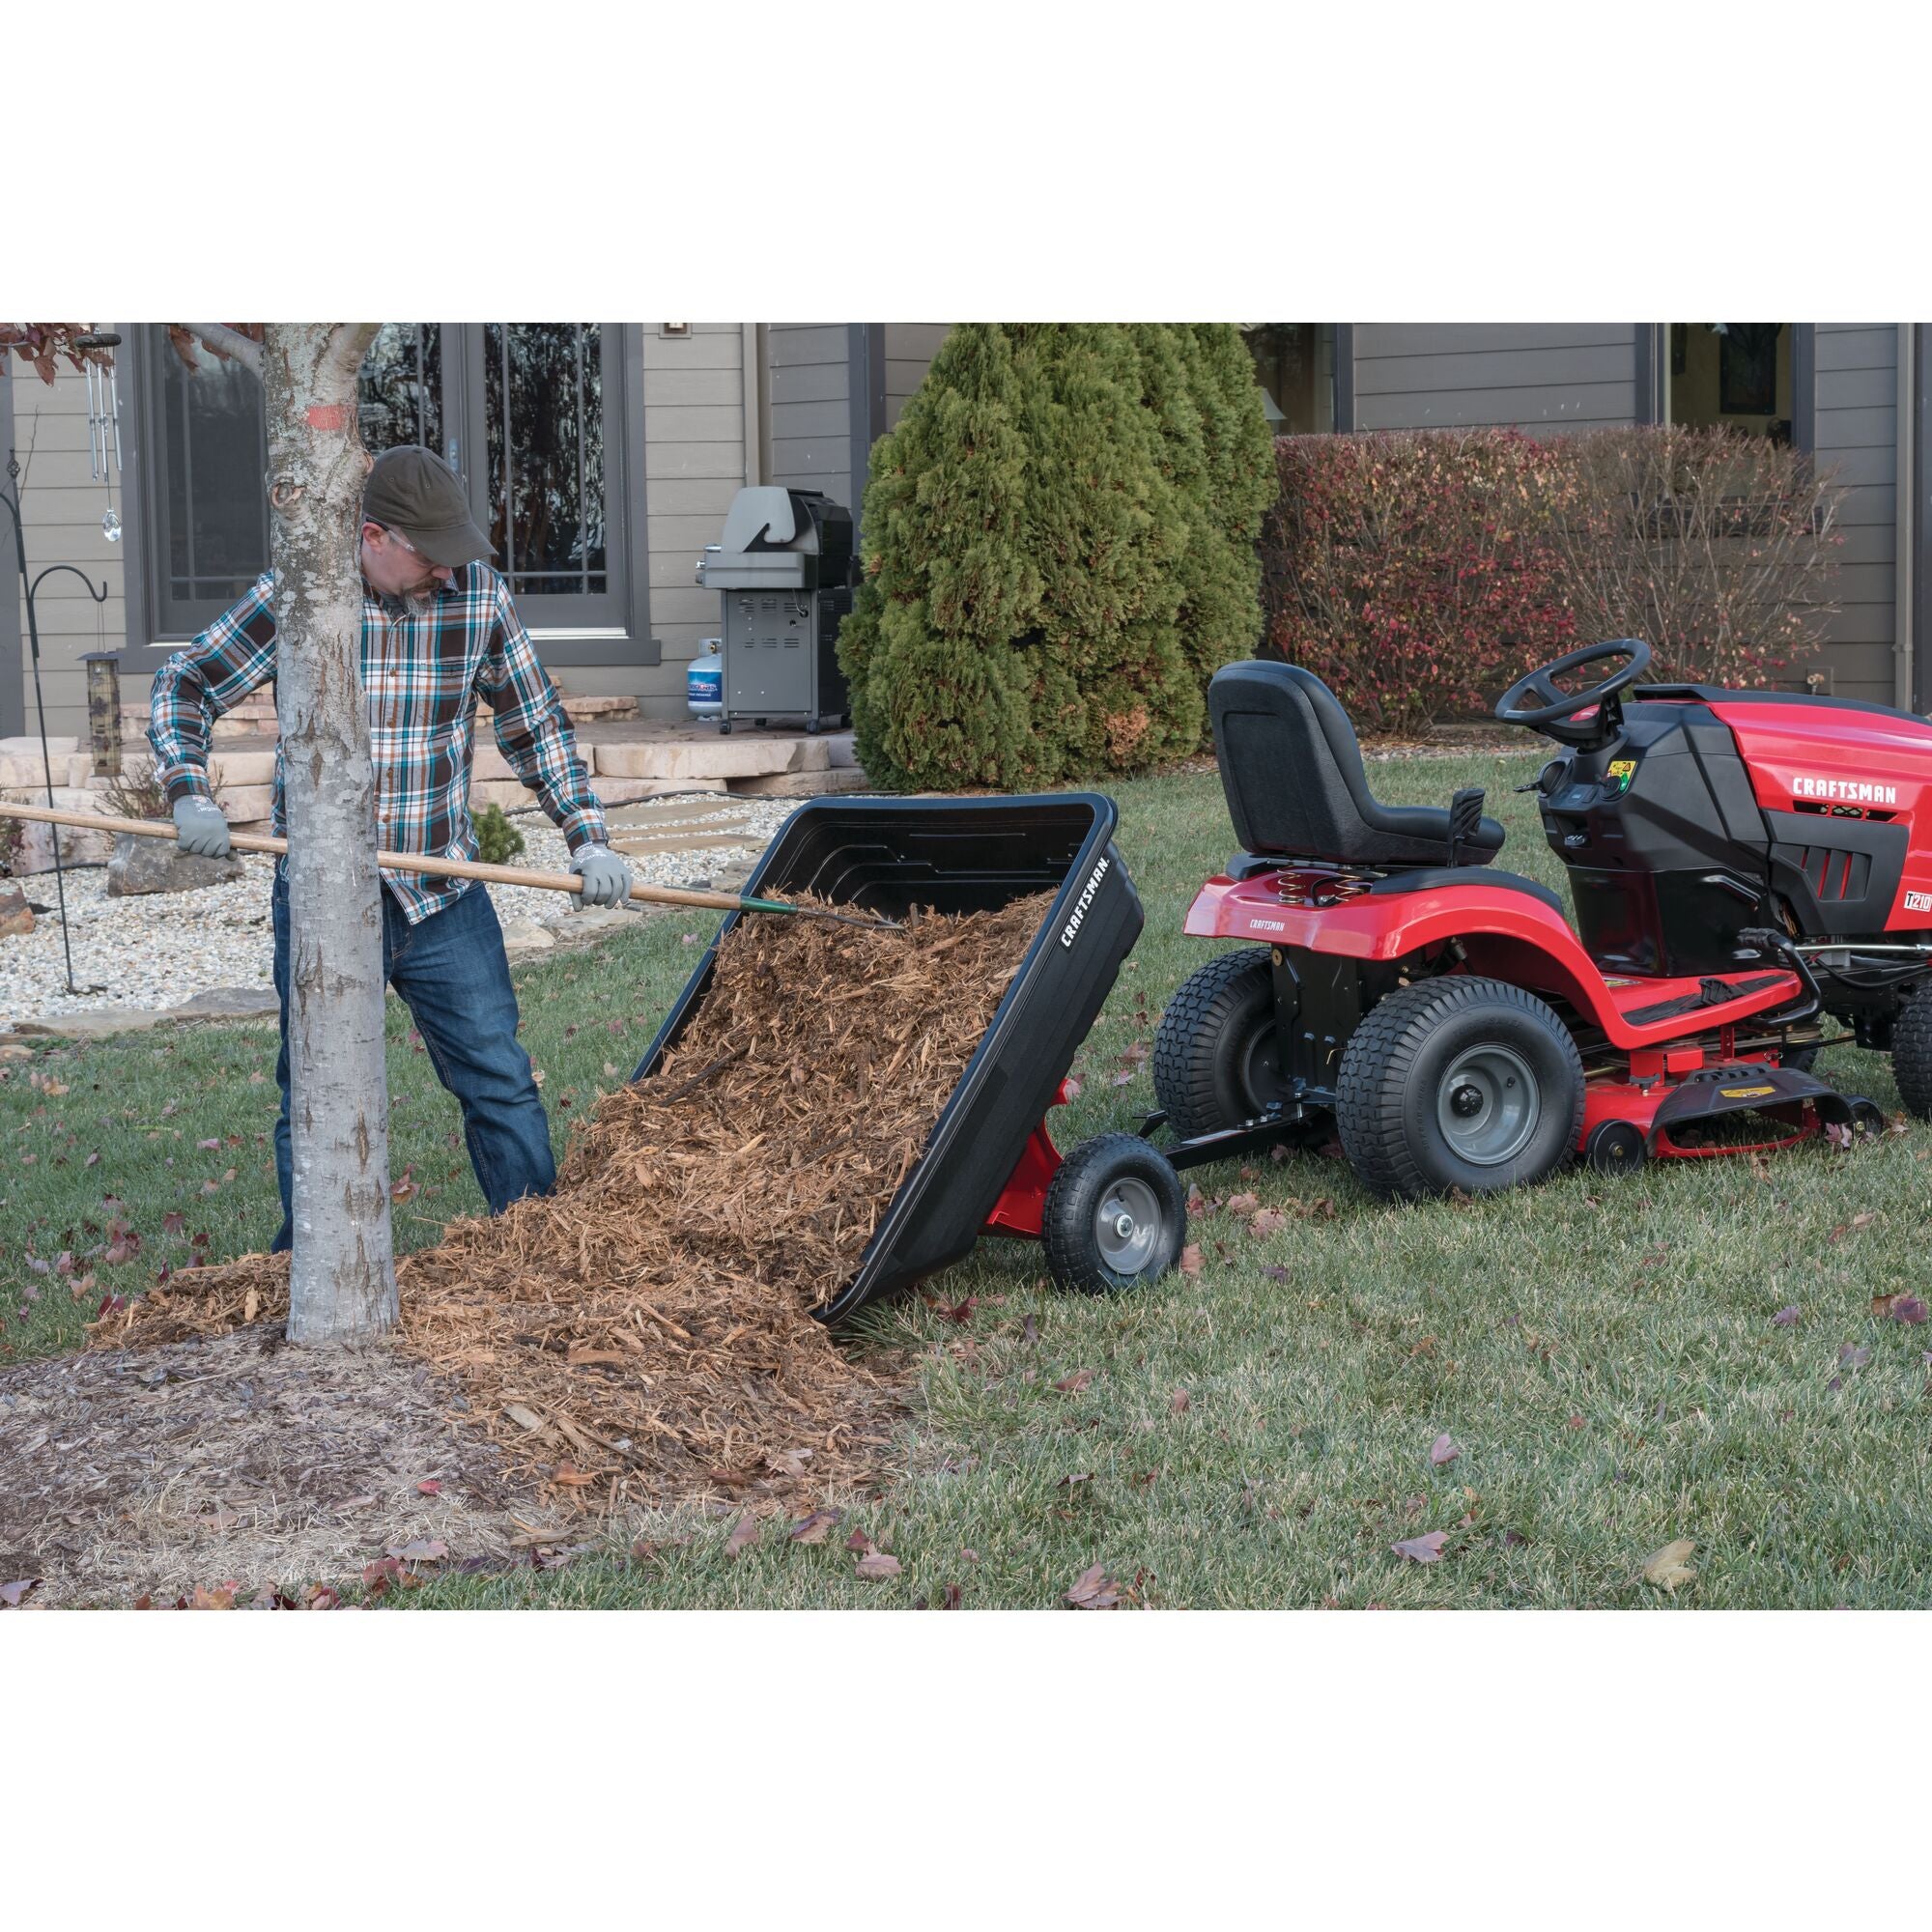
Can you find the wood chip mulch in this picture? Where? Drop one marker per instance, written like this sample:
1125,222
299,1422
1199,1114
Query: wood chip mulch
644,1334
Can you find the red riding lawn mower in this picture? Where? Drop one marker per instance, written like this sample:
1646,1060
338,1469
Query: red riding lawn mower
1742,863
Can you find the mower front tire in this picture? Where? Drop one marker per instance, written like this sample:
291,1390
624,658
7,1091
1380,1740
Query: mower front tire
1911,1054
1217,1061
1459,1083
1114,1217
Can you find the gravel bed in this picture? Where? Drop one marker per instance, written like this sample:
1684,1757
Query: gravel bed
159,950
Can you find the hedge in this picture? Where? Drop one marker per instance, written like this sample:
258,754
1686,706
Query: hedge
1419,571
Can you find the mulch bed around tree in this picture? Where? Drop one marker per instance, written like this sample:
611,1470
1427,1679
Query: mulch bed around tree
643,1336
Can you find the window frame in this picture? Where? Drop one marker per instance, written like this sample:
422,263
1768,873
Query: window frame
560,644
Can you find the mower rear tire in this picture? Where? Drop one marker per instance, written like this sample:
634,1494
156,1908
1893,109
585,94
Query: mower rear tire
1459,1083
1114,1217
1217,1061
1911,1054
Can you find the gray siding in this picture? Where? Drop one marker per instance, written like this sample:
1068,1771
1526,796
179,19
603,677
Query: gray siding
910,346
810,411
1856,440
1536,376
63,508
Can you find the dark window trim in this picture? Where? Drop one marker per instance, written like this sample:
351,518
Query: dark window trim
1805,386
13,661
143,653
1345,378
865,390
1652,351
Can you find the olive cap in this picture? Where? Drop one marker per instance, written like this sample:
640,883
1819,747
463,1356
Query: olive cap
412,491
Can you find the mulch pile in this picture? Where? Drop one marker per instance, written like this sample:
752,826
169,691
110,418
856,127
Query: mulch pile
644,1334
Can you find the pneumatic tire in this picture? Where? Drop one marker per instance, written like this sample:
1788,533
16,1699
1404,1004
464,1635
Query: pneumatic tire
1114,1217
1459,1083
1217,1061
1911,1054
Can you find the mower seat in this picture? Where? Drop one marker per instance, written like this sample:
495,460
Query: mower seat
1292,773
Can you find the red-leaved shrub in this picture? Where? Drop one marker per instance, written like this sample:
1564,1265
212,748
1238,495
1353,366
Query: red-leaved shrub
1418,571
1412,571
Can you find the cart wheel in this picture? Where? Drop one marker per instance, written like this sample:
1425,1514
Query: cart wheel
1215,1059
1799,1059
1867,1118
812,727
724,729
1459,1083
1615,1147
1911,1054
1115,1215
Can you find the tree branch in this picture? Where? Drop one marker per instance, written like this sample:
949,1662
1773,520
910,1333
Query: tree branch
218,339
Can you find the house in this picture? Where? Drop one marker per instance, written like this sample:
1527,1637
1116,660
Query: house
603,458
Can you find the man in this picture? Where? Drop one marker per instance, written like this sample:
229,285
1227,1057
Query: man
439,630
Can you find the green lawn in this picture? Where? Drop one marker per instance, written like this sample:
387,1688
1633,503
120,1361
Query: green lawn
1603,1353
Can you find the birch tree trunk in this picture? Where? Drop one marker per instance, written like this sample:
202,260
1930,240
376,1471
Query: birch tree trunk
342,1284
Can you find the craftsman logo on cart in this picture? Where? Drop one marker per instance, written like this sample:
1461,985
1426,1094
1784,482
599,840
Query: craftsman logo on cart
1919,902
1853,791
1072,925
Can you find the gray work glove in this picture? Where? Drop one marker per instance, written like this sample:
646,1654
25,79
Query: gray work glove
200,828
607,879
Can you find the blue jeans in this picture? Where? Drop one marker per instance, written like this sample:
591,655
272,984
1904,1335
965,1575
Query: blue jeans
453,977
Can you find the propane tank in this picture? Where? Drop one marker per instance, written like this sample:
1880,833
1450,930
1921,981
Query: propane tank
704,680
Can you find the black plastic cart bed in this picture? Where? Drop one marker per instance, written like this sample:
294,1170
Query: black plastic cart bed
1112,1211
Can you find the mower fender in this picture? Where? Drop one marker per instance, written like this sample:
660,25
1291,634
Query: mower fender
1506,933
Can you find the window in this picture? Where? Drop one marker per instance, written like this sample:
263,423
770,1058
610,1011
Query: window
533,416
1296,364
1736,375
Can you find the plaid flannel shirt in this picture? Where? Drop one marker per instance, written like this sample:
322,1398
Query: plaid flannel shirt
423,666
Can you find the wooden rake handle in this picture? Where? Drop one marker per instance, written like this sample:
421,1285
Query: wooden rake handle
402,861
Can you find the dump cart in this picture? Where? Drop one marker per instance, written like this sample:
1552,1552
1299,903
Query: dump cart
1111,1212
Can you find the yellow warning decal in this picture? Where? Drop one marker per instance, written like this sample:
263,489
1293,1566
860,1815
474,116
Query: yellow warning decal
1745,1092
1622,768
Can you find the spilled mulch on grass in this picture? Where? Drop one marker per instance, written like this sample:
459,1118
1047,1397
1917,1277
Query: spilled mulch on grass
643,1335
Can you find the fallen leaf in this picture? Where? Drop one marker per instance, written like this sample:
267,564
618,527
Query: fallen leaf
1907,1308
210,1146
1242,1203
1855,1355
1442,1450
424,1550
431,1488
173,1222
1073,1091
406,1187
1093,1590
876,1563
950,1596
1669,1567
961,1313
379,1576
1267,1221
745,1532
570,1477
1179,1402
1121,1080
13,1595
221,1597
1425,1549
1030,1330
859,1543
1785,1318
1072,1385
1274,1272
1189,1262
815,1527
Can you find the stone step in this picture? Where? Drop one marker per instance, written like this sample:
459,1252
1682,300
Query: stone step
801,785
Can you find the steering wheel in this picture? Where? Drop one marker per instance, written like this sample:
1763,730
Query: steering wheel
1554,713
